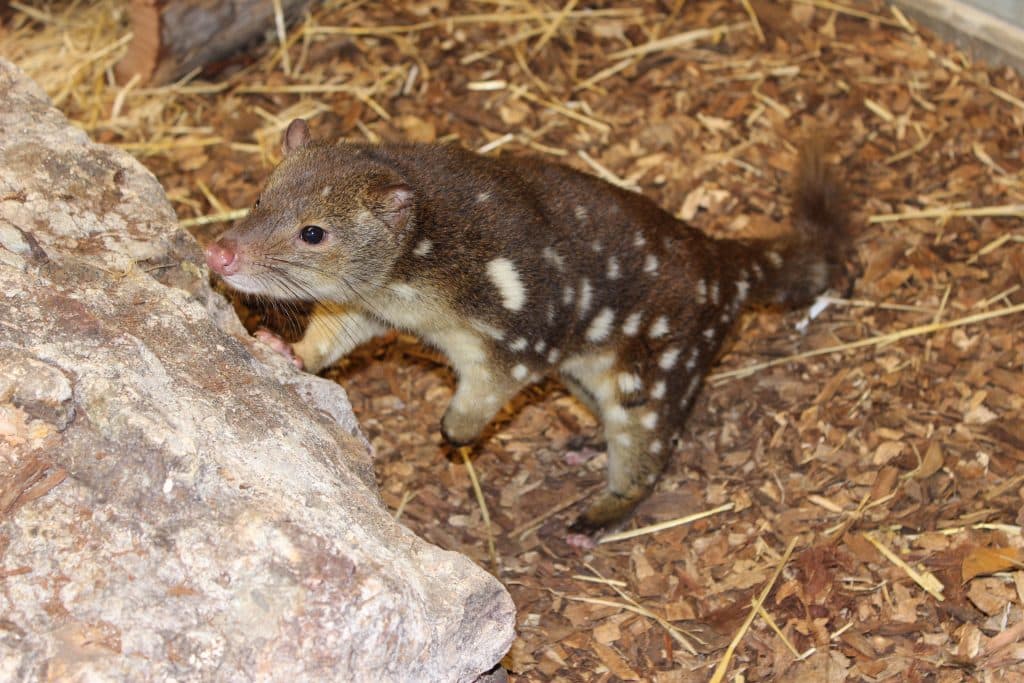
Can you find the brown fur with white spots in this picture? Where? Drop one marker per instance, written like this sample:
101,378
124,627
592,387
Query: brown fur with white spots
515,268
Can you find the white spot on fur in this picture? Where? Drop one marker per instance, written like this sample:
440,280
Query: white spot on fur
691,362
597,246
568,294
632,324
659,328
404,291
649,420
486,328
639,240
629,382
551,313
581,212
540,346
690,390
505,277
520,372
758,273
658,390
774,258
624,440
702,292
668,357
709,333
616,415
553,356
742,289
655,447
518,345
483,197
328,189
553,257
715,293
613,268
586,295
601,325
423,248
651,264
819,275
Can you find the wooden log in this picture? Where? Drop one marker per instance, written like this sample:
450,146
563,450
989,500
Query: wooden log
173,37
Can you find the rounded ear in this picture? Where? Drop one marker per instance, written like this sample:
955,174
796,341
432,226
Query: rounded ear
295,137
394,204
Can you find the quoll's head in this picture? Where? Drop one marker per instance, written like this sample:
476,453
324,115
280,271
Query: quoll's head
328,226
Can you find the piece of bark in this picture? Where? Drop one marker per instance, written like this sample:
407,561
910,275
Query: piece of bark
178,502
173,37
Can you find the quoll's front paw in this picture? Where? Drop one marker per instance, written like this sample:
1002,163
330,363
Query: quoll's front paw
278,344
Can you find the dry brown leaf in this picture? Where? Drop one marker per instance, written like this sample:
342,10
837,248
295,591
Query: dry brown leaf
615,663
887,451
990,595
931,463
981,561
607,632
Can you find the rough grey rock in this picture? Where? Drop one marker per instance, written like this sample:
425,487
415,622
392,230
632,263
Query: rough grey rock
176,502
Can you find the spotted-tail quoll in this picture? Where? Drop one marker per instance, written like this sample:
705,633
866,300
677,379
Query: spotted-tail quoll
516,268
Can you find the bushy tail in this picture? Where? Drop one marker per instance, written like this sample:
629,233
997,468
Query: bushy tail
800,266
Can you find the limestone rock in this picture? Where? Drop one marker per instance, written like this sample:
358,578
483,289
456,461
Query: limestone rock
176,502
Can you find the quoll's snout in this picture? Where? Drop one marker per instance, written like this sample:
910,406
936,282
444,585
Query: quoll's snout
222,257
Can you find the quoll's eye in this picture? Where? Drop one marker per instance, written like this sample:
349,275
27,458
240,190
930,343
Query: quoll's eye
312,234
256,205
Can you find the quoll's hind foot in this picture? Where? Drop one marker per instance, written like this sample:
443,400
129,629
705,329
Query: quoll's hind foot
278,344
636,457
607,509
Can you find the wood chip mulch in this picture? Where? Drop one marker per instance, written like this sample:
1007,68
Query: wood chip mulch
864,476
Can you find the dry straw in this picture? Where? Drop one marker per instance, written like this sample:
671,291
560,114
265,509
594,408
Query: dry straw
465,452
878,340
723,665
926,580
662,526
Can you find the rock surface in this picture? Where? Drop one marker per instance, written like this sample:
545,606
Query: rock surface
176,502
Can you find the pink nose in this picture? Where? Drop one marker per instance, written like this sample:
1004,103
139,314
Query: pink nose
222,257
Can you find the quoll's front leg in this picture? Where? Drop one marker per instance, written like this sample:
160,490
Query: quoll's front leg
480,394
333,331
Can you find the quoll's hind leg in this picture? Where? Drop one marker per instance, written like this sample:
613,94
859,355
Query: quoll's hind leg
640,440
581,394
638,449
